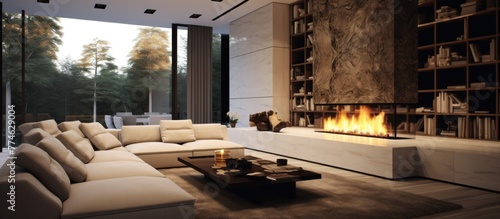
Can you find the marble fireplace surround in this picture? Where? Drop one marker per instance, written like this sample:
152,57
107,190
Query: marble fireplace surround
463,161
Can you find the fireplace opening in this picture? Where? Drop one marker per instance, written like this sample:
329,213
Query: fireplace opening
379,121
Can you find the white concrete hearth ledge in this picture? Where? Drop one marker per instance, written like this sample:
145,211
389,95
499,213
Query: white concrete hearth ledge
469,162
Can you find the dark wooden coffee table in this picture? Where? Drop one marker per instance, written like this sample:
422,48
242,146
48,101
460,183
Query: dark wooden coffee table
251,187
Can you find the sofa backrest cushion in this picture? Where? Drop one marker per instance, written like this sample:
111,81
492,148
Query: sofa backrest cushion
74,167
49,126
71,125
45,169
79,146
208,131
131,134
35,135
177,131
99,136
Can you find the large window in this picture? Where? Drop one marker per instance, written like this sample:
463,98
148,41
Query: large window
84,70
114,67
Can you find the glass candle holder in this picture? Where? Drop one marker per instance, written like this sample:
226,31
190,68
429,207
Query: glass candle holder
220,157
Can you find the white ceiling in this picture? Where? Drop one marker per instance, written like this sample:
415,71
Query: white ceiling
132,11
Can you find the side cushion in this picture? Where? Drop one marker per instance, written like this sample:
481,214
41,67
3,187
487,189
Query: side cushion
49,126
35,135
75,169
99,136
208,131
177,131
131,134
44,168
71,125
79,146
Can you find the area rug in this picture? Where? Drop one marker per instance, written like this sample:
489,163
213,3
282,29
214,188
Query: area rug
330,197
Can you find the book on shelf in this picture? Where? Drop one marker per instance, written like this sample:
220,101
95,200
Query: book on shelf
310,39
455,86
483,128
475,52
481,111
492,49
309,6
461,127
482,84
448,133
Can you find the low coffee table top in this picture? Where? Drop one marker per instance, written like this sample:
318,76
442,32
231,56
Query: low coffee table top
228,179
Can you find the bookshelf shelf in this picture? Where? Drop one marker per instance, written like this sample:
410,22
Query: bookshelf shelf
458,56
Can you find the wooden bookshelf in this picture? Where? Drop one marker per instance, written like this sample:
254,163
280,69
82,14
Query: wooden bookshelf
458,68
301,69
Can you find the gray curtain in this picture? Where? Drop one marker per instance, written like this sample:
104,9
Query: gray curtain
199,74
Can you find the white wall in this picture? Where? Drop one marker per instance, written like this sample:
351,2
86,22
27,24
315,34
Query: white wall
259,62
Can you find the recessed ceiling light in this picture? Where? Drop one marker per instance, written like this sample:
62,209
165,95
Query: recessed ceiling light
149,11
195,16
100,6
43,1
217,0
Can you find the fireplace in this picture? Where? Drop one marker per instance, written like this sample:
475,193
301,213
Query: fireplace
391,121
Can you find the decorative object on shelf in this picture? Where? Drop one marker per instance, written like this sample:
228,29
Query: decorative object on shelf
232,117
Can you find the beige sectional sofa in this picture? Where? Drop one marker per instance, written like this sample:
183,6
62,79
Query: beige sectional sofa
82,170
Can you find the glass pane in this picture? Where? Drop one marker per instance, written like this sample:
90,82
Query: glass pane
216,78
11,77
182,72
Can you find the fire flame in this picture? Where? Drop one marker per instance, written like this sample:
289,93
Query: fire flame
362,124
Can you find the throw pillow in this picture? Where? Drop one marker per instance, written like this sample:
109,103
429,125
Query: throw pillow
208,131
177,131
74,167
71,125
44,168
131,134
49,126
35,135
79,146
99,136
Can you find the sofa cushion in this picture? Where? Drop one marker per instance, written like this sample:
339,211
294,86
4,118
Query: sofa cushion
45,169
114,155
49,126
143,195
177,131
35,135
208,131
71,125
99,136
156,148
74,167
212,145
119,169
131,134
79,146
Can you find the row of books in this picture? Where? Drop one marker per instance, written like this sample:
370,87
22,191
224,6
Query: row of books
302,103
471,6
449,103
483,128
446,12
479,56
299,11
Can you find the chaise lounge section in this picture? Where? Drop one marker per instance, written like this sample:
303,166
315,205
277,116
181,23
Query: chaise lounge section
82,170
